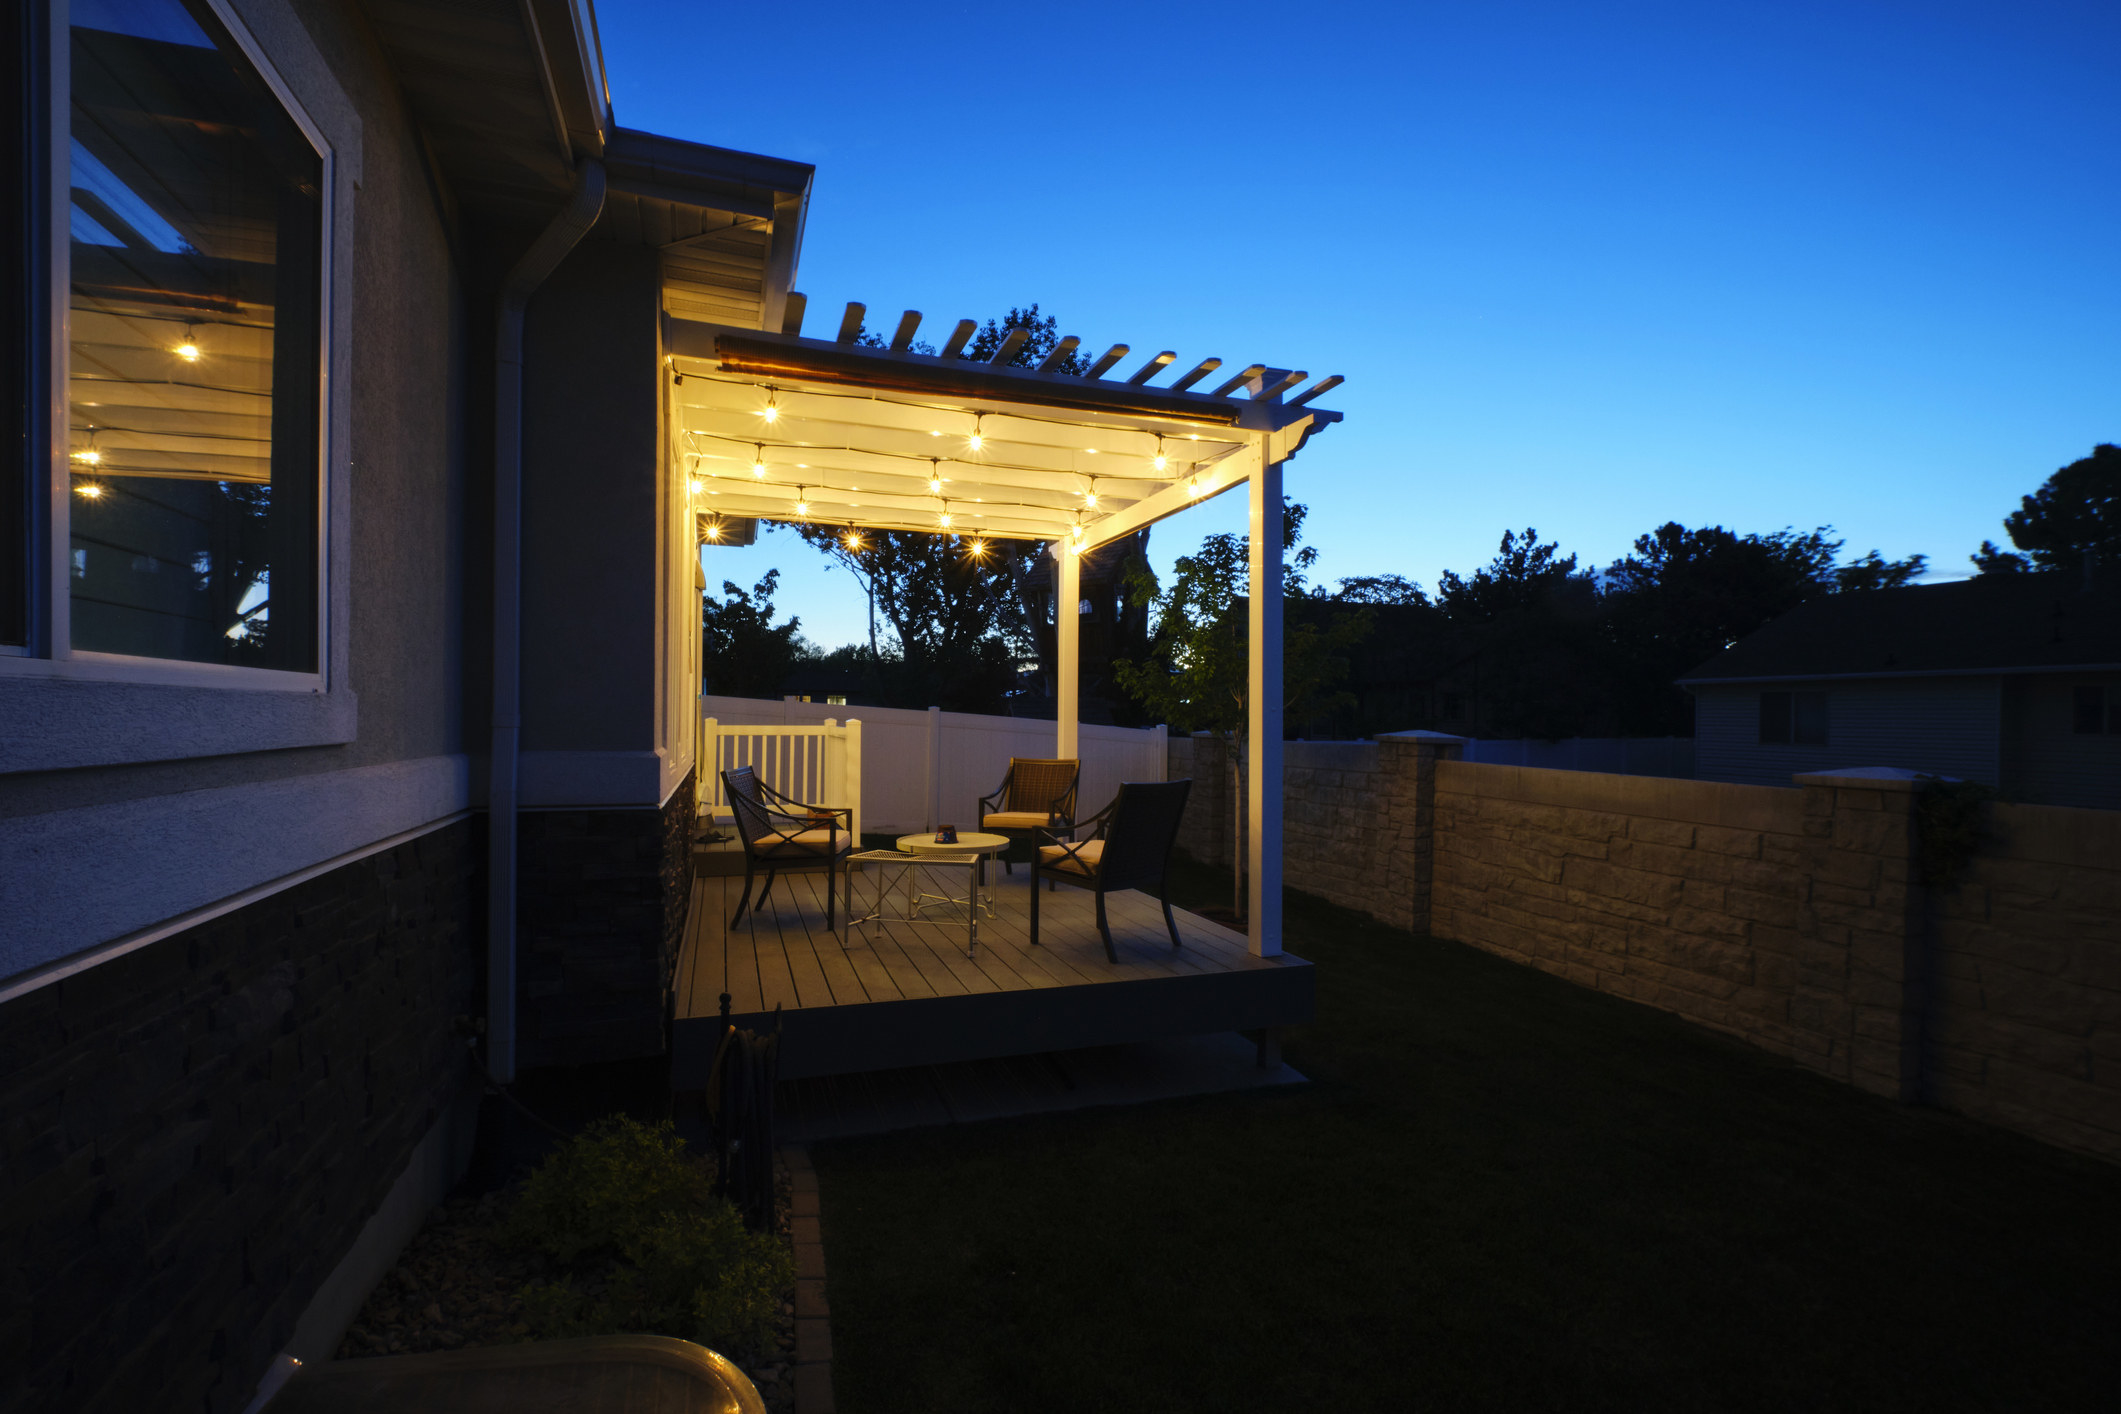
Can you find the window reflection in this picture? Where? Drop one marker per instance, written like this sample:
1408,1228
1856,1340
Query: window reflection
196,265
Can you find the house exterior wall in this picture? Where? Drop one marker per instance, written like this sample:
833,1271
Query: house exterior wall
1945,726
239,921
193,1135
2046,761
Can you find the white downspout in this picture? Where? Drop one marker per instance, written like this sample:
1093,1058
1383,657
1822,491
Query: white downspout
543,257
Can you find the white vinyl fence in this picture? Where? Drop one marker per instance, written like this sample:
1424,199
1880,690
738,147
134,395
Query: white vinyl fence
905,770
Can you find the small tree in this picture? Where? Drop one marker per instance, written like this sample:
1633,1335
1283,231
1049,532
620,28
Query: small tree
1197,673
743,652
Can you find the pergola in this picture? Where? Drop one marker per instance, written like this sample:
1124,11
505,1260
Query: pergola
835,432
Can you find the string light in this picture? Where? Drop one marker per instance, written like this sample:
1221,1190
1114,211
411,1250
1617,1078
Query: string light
772,412
714,529
89,489
943,520
802,502
89,455
698,486
1090,496
1193,488
853,540
935,476
1161,461
979,549
758,462
976,440
189,349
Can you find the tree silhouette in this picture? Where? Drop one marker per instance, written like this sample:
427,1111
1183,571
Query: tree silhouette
2073,517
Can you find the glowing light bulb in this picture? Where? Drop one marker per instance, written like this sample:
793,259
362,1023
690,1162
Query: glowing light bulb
698,486
714,530
91,456
189,349
758,462
1090,496
772,413
802,502
1161,461
854,541
90,490
979,548
935,485
943,520
1193,489
976,441
1078,531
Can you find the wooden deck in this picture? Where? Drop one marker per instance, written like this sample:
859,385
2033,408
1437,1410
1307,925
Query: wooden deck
906,994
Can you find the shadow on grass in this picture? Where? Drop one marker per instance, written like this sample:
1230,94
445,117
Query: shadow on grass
1501,1192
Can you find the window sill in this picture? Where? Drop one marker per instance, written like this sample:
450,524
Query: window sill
86,717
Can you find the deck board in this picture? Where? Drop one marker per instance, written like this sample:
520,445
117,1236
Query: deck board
898,994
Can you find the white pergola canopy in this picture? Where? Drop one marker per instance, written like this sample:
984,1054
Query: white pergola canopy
836,433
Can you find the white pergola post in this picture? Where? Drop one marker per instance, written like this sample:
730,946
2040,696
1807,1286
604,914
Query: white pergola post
1067,656
1263,697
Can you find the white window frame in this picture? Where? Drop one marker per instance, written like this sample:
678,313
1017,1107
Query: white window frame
135,708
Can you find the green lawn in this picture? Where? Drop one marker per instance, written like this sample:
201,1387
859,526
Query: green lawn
1499,1192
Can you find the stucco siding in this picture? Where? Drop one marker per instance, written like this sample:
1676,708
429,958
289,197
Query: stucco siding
1949,726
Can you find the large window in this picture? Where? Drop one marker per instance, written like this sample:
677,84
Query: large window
19,67
196,303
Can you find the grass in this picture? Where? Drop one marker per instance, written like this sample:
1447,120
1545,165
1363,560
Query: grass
1500,1192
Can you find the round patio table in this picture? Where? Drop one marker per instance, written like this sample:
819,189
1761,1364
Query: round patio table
971,842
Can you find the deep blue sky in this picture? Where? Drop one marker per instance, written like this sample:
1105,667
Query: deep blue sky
1587,267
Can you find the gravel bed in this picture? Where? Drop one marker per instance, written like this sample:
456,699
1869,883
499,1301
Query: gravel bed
455,1287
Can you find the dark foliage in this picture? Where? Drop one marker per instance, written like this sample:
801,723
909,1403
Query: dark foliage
743,652
2073,517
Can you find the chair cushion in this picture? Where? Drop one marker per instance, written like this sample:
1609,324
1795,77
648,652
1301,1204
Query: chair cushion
1083,861
808,841
1015,820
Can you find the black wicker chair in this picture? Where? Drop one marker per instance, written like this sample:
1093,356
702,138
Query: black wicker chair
1038,793
783,835
1129,845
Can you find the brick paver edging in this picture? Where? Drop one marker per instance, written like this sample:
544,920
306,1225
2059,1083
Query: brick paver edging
813,1318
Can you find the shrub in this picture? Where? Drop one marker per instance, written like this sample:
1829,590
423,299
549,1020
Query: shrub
644,1244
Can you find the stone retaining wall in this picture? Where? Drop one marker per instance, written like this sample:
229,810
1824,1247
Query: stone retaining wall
1791,917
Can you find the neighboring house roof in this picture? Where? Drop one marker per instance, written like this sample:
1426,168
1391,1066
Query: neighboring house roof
2008,623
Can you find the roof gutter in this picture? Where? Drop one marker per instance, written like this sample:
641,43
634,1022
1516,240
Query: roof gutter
543,257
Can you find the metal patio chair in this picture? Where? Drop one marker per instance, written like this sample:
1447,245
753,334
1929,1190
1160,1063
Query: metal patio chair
1038,793
784,835
1129,845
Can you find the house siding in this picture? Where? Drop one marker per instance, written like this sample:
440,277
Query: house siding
1947,726
2046,760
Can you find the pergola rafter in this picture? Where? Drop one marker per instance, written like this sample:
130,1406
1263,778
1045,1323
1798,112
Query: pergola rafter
833,432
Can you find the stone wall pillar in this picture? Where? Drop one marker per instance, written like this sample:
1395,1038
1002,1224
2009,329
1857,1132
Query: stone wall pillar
1408,764
1864,904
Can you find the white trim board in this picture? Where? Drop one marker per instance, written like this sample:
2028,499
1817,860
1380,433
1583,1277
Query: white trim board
104,876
